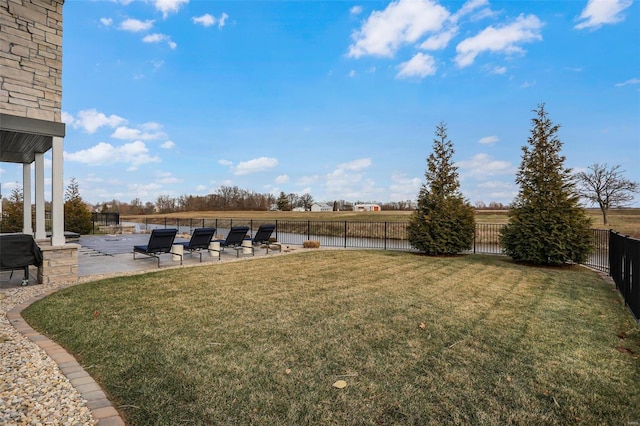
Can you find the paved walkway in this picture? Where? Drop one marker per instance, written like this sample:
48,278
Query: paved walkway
42,383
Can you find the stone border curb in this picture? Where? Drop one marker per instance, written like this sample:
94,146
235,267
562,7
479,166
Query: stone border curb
102,411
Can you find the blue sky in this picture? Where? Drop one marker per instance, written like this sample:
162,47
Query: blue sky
339,99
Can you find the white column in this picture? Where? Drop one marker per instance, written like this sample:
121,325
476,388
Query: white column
26,199
39,187
57,194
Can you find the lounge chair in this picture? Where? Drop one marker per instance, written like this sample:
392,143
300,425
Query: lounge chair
200,240
160,241
263,236
234,240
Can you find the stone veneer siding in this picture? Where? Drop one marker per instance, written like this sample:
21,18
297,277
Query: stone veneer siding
31,58
60,264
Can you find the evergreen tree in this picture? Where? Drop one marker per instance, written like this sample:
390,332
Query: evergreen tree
546,223
77,216
12,213
283,202
444,221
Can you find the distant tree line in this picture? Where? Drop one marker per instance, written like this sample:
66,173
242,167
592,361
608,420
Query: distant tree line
233,198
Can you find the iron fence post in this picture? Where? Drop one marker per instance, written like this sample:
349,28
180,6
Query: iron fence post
345,234
385,235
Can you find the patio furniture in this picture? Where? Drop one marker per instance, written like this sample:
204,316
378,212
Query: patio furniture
19,251
200,240
160,241
234,240
263,236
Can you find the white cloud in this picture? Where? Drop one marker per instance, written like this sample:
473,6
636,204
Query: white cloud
222,20
359,164
352,73
282,179
439,41
630,81
355,10
159,38
106,21
504,39
402,22
154,38
168,145
91,120
151,125
339,180
256,165
201,188
127,133
308,180
205,20
144,190
600,12
225,162
403,187
482,165
467,8
134,153
499,70
67,118
169,179
488,140
527,84
168,6
421,65
135,25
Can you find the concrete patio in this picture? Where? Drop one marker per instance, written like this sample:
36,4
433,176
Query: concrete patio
110,255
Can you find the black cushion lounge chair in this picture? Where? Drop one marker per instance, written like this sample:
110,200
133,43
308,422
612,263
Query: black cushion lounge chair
160,241
263,235
200,240
235,238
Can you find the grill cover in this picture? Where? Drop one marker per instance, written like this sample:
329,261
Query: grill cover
18,251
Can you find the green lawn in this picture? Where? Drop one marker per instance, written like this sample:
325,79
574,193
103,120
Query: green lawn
418,340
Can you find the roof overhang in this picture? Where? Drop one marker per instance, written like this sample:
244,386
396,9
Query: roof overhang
22,138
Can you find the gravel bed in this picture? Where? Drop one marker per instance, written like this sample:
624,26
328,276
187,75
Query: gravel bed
33,391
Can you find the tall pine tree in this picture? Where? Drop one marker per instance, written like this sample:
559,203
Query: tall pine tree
546,225
77,216
444,222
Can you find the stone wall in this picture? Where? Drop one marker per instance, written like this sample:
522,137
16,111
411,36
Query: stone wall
31,58
60,264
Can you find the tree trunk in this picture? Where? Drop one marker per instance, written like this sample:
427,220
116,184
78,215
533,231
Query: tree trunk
604,214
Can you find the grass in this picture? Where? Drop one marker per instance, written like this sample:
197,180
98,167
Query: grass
419,340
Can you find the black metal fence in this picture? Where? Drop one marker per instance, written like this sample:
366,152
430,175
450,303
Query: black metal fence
624,261
370,235
105,219
599,257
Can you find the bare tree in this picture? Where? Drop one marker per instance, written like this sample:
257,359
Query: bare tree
306,200
606,187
